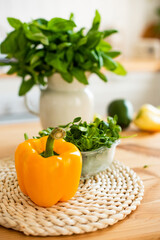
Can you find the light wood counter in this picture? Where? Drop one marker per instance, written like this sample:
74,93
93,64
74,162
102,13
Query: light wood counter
144,223
141,65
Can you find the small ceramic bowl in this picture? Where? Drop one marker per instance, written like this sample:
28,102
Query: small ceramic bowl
97,160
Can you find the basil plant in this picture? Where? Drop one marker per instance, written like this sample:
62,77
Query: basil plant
40,48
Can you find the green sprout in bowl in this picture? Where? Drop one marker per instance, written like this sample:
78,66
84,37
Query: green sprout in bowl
89,136
96,141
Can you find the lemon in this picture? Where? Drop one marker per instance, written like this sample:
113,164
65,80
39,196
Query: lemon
148,118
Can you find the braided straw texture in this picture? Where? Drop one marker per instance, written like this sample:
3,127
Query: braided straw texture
99,202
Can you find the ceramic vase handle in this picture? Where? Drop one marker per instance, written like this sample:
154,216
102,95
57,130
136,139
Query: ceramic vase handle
30,106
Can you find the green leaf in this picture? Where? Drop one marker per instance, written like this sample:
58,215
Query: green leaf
34,59
77,119
86,65
65,126
26,86
36,65
49,72
69,54
82,129
41,80
60,25
36,56
100,74
22,42
100,59
109,63
52,46
79,75
107,33
63,37
94,39
34,29
113,54
81,42
30,55
4,63
93,55
12,70
35,34
120,70
64,45
79,57
96,21
14,22
41,23
53,38
104,46
30,71
67,77
71,17
55,61
74,37
9,45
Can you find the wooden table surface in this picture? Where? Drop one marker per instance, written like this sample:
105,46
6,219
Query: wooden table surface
144,223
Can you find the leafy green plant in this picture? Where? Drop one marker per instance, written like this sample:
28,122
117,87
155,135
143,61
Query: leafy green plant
41,48
88,137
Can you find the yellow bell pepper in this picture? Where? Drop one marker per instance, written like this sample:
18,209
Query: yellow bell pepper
148,118
45,177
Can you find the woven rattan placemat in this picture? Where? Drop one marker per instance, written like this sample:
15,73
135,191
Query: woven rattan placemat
99,202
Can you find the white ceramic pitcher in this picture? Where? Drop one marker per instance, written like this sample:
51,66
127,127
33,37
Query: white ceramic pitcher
61,102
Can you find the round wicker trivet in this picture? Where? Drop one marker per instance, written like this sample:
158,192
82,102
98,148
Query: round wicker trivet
99,202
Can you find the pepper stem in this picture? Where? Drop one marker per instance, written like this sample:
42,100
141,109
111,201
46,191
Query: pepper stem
56,133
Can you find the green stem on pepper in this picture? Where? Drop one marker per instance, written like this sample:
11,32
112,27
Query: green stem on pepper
26,136
57,133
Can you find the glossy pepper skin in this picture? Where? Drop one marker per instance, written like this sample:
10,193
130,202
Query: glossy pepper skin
48,180
148,118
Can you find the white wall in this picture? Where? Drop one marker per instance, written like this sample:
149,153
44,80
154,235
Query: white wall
138,87
129,16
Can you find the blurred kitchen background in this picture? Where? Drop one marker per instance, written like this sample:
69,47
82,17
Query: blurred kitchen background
135,21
